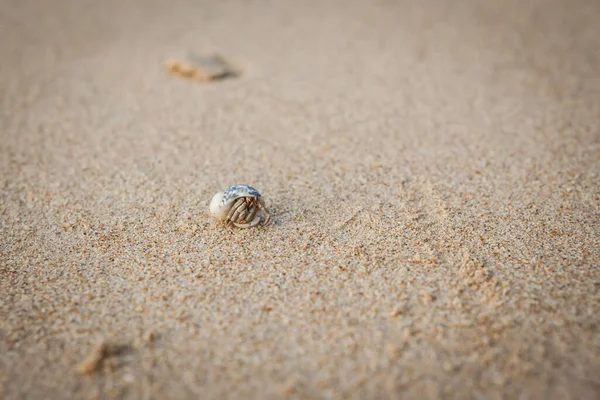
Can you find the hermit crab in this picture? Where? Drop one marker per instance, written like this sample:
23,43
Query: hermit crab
240,205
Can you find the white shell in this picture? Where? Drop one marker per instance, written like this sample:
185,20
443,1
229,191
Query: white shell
221,203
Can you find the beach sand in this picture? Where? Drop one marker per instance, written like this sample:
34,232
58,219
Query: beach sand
433,171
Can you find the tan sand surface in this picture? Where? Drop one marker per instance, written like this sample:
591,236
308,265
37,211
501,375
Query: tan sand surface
433,170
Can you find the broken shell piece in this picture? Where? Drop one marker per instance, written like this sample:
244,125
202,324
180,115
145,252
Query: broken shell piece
94,359
201,68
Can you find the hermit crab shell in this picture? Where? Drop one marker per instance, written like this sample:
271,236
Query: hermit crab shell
222,203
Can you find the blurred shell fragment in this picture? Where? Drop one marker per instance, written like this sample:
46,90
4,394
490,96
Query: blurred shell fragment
201,68
240,205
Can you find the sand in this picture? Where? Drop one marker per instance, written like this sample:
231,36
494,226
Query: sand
433,170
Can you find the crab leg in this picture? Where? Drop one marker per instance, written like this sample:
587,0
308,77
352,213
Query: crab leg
267,213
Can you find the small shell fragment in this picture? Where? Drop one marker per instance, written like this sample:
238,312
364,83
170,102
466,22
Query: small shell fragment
94,359
201,68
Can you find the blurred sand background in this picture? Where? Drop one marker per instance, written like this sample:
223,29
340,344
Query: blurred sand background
433,168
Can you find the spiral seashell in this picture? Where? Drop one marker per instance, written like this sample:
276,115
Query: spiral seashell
240,205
